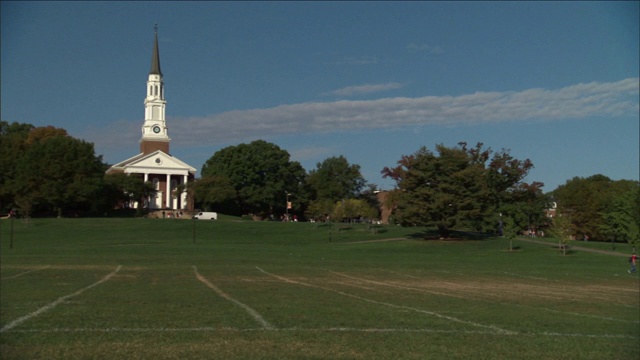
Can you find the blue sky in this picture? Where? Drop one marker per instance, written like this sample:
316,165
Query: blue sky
553,82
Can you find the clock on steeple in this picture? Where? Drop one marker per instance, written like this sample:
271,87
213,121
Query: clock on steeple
154,129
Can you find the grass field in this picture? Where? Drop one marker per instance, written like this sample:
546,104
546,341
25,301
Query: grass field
179,289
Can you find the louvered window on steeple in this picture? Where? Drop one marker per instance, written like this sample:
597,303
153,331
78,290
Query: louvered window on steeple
156,90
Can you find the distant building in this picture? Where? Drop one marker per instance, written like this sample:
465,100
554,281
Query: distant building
154,162
551,212
385,210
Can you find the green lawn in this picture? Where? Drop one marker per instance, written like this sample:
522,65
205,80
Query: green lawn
231,289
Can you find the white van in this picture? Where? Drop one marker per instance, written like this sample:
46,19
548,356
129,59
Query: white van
206,216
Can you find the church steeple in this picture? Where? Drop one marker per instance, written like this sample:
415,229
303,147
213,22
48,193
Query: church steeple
155,56
154,130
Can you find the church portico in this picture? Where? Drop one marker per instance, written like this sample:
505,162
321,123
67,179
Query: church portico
154,164
170,193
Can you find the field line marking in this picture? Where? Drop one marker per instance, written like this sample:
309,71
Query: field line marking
265,324
330,329
400,286
26,272
483,300
435,314
57,302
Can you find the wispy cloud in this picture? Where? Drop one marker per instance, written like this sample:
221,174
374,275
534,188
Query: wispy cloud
416,48
365,89
572,102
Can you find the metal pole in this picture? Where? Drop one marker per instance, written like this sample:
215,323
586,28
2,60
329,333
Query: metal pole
11,236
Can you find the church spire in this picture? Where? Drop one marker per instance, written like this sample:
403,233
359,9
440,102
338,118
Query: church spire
154,130
155,57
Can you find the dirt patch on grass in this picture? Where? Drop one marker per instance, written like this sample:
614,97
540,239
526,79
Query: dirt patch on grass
495,289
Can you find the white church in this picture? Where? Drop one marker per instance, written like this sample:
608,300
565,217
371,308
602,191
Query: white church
154,163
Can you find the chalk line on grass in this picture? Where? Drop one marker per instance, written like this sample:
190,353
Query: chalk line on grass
57,302
330,329
25,272
500,302
432,313
265,324
400,286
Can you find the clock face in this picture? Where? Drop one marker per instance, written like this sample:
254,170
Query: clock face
156,129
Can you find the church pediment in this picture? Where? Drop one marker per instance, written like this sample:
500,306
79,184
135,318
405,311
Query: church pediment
157,161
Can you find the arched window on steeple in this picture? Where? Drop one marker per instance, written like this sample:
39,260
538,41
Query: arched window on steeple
156,92
150,90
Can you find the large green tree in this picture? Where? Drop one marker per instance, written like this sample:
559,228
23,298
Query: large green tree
214,193
621,219
13,142
456,187
62,172
261,173
591,203
335,179
45,168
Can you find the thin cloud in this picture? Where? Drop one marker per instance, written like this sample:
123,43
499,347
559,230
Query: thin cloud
365,89
302,154
571,102
578,101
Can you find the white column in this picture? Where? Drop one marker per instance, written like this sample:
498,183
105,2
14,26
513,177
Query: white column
146,178
183,201
168,196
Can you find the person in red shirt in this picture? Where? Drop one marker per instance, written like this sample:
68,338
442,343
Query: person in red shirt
632,262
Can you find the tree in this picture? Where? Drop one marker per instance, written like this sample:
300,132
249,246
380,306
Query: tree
41,134
60,172
525,204
351,209
214,193
321,209
12,147
261,174
510,230
335,179
589,200
124,189
621,220
454,187
563,230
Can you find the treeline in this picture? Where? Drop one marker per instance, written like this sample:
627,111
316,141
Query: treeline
260,179
477,189
599,208
470,188
44,171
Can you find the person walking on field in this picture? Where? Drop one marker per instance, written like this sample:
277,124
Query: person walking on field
632,262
